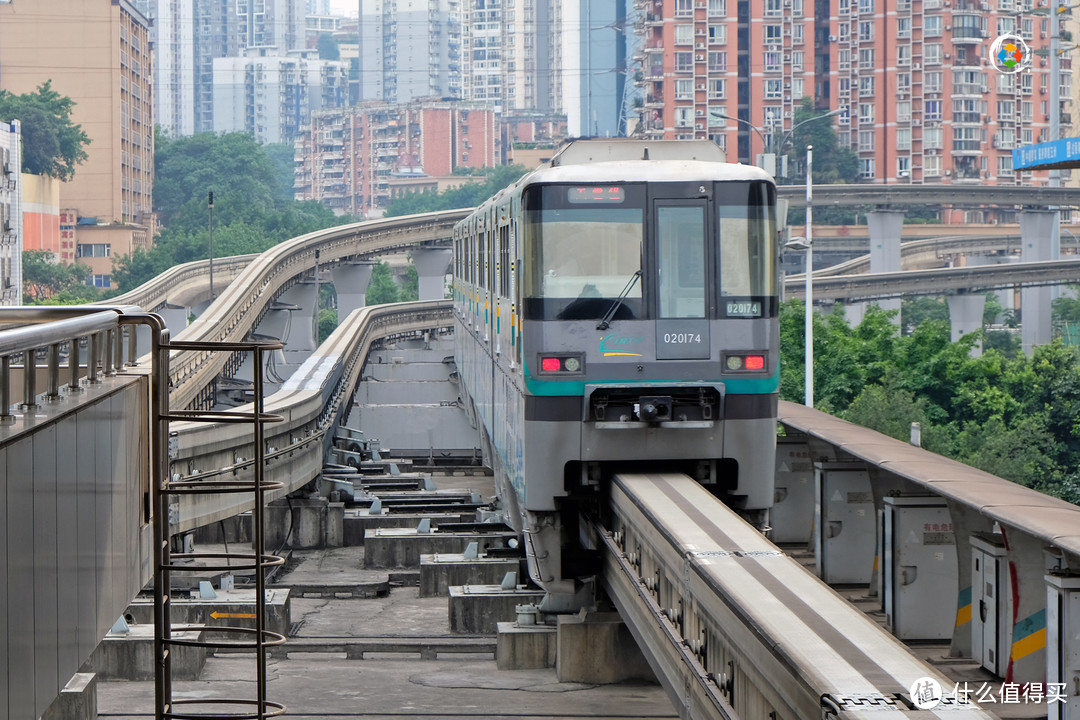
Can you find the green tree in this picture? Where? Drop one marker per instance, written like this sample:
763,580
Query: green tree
833,163
914,311
464,196
382,288
45,277
253,204
410,287
328,322
328,47
52,144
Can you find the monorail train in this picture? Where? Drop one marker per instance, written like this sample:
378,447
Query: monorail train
617,309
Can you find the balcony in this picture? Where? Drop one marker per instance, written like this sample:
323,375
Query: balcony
968,89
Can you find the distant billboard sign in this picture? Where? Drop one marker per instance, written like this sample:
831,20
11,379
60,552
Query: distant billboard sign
1060,154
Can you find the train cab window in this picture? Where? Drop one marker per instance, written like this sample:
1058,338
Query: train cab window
748,285
581,253
680,247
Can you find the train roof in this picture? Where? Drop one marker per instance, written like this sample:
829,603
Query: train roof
580,152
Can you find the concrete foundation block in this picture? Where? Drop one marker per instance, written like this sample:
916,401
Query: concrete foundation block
77,701
304,523
131,656
439,572
598,649
478,609
358,522
230,607
390,547
528,647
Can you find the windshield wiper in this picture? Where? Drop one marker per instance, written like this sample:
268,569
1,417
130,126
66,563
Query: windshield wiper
618,301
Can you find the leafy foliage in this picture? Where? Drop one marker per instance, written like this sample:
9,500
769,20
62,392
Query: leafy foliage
464,196
46,281
382,288
253,205
52,144
1014,416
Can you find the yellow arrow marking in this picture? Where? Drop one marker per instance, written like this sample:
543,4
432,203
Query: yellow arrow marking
216,615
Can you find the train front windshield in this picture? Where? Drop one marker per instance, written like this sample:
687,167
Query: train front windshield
587,246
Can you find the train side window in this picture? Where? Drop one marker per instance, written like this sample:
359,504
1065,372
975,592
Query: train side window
681,261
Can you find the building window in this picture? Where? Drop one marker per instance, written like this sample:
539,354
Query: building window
903,55
773,89
966,138
866,168
866,85
1005,138
903,167
684,62
932,54
797,34
866,113
931,166
718,34
932,81
773,34
684,34
844,59
932,139
717,89
932,26
772,61
684,89
684,117
866,31
717,8
932,110
797,60
866,59
866,140
100,281
717,61
797,88
1006,110
93,250
903,138
1006,84
1004,165
903,27
684,7
866,6
773,8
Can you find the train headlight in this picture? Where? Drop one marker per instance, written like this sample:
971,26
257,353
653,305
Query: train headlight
734,362
572,364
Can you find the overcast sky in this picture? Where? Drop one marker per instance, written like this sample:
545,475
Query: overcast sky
345,7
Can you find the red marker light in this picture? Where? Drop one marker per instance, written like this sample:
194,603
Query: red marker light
755,362
550,364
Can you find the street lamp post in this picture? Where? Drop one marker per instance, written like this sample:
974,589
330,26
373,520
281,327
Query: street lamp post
210,205
809,354
770,142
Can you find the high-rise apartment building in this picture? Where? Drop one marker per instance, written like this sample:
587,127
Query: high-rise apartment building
924,102
99,55
348,159
271,96
188,35
410,49
593,58
513,54
10,214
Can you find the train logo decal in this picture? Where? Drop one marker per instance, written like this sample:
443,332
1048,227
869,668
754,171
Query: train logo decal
1010,54
615,345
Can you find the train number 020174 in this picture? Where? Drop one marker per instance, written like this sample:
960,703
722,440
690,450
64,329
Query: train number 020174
681,338
744,309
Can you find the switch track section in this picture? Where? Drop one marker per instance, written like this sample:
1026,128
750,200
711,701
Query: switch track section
733,627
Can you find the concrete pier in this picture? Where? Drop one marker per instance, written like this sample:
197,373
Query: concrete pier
130,656
527,647
402,547
77,701
235,608
478,609
439,572
598,648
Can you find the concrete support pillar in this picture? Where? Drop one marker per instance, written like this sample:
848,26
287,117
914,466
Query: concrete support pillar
854,312
1038,230
432,264
885,227
966,316
1027,568
351,281
175,317
300,332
